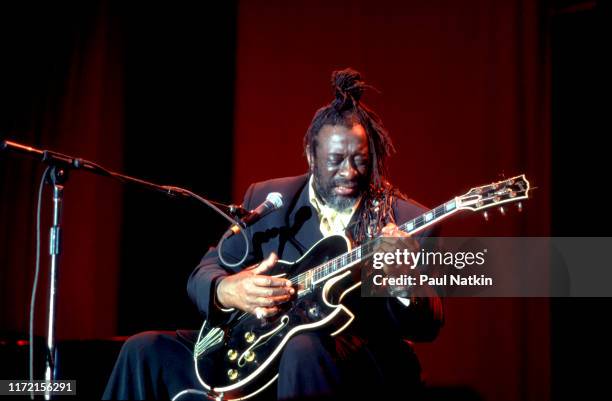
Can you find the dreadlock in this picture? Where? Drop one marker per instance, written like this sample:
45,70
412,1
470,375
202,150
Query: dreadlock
347,110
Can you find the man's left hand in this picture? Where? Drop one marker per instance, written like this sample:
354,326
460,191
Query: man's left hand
392,231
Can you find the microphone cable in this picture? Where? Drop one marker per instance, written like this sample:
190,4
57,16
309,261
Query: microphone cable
227,233
36,275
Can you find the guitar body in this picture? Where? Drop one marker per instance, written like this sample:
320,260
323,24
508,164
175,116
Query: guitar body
240,359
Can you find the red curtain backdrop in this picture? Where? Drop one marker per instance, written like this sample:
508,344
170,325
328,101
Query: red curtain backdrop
464,95
79,115
92,126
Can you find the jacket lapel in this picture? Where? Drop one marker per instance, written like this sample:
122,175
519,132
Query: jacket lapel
303,222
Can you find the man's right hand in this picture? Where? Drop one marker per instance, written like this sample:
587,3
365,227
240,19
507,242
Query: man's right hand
252,291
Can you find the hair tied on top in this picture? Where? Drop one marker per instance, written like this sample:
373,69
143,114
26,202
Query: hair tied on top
347,110
348,88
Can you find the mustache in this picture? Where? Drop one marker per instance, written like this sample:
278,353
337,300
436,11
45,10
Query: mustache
345,183
348,184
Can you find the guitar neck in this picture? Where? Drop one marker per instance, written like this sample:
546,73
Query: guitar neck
498,193
359,253
430,218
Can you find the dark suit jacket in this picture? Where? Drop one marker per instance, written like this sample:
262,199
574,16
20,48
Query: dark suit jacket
290,232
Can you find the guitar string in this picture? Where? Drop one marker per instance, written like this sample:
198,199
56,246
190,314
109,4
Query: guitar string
347,259
353,253
302,277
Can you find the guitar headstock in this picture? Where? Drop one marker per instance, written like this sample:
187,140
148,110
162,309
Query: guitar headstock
513,189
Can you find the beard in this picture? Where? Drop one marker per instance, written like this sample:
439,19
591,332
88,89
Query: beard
325,190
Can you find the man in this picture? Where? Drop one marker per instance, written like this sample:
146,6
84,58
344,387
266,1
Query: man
345,192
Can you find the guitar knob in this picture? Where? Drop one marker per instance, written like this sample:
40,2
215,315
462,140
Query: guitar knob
502,210
249,336
519,206
232,354
232,374
485,214
313,311
249,356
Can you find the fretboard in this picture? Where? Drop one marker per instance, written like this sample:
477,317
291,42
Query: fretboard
322,272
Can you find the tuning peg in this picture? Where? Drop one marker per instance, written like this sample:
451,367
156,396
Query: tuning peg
519,206
502,210
485,214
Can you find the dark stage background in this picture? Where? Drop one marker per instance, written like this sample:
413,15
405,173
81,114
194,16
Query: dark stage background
215,97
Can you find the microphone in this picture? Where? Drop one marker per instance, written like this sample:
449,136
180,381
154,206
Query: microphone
273,201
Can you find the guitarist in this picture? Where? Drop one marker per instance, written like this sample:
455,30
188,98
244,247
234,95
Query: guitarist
345,192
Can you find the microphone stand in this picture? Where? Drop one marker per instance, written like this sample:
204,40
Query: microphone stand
60,164
57,177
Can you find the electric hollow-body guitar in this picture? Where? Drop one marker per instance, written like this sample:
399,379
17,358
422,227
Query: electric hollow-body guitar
240,358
